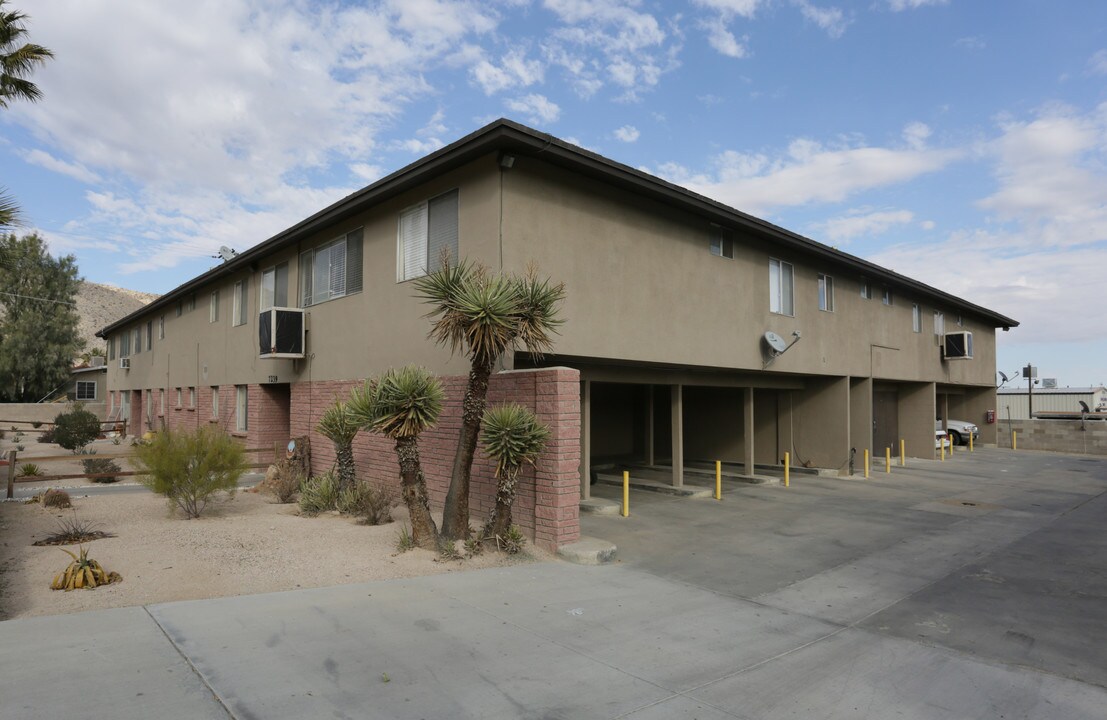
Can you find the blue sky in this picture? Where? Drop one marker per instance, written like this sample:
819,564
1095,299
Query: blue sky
963,143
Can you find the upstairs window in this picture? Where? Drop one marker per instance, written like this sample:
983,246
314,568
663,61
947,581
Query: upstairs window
213,308
866,290
111,348
136,340
190,303
332,270
826,293
150,335
916,318
240,299
161,328
722,242
427,231
274,287
939,325
125,344
886,298
781,287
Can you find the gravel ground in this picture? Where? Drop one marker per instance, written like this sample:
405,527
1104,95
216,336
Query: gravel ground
241,546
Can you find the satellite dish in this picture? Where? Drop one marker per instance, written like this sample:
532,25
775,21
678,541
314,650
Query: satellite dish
1004,376
1084,406
226,253
775,342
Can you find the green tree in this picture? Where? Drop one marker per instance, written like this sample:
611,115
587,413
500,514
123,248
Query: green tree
513,437
486,315
17,58
401,404
338,426
38,331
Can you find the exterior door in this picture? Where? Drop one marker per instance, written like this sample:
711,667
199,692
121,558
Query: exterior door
885,421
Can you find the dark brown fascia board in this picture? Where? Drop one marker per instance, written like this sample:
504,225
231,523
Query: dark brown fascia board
507,136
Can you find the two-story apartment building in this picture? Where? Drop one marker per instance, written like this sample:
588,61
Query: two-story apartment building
692,330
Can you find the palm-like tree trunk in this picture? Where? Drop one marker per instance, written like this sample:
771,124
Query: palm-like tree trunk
455,515
414,490
506,488
344,460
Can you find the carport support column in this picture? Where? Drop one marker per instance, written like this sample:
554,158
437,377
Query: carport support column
650,458
677,410
747,427
585,439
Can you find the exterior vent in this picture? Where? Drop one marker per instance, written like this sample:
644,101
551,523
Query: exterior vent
125,363
957,346
96,361
281,333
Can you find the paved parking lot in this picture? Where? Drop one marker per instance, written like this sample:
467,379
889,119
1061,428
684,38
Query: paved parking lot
970,589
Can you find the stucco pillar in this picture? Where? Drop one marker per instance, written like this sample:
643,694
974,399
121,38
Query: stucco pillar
677,411
649,426
748,427
585,439
945,411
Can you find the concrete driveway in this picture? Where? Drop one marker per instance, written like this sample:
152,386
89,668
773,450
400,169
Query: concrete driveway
830,599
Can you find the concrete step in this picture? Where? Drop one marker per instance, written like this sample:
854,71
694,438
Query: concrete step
588,551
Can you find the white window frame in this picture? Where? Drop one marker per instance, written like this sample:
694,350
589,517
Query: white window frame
826,293
778,270
214,402
721,243
939,325
192,398
86,383
866,290
241,409
916,318
161,401
886,297
179,396
213,308
240,302
419,214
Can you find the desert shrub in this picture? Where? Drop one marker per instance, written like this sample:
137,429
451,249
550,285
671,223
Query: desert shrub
370,505
190,468
404,540
20,447
97,466
47,436
286,484
36,424
56,499
76,428
319,493
29,470
73,530
511,541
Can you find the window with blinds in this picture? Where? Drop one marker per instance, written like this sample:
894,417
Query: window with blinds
427,232
274,287
332,270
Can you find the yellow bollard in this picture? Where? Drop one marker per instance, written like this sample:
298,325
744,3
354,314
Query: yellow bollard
626,493
866,463
887,459
1014,440
970,443
718,479
787,460
902,454
943,444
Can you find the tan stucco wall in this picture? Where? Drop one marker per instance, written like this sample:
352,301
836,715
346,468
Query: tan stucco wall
637,272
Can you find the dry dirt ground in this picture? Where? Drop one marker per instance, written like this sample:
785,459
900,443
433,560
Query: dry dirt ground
245,545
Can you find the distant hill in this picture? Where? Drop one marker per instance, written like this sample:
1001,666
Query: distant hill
100,305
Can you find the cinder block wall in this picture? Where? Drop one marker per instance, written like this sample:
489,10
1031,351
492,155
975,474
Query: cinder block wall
547,505
1056,435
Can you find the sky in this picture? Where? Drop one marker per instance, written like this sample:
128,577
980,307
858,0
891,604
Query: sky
961,142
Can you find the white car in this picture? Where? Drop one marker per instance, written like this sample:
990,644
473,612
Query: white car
959,431
941,439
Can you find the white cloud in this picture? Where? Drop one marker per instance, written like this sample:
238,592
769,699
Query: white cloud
76,171
514,71
927,225
723,40
537,108
830,19
365,171
210,137
971,42
860,222
627,134
807,172
900,5
916,134
744,8
1097,63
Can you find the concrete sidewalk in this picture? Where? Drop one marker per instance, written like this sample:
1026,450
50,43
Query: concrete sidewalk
971,589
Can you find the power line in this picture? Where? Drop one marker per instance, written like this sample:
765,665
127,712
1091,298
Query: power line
31,297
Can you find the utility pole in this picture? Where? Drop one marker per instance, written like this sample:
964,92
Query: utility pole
1029,372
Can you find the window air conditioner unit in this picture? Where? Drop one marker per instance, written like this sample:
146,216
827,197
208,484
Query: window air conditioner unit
281,333
125,363
957,346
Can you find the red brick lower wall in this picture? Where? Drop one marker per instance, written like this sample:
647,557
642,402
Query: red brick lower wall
547,504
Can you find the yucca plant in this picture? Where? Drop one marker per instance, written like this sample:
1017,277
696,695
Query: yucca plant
29,470
82,573
513,437
338,427
400,404
485,315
